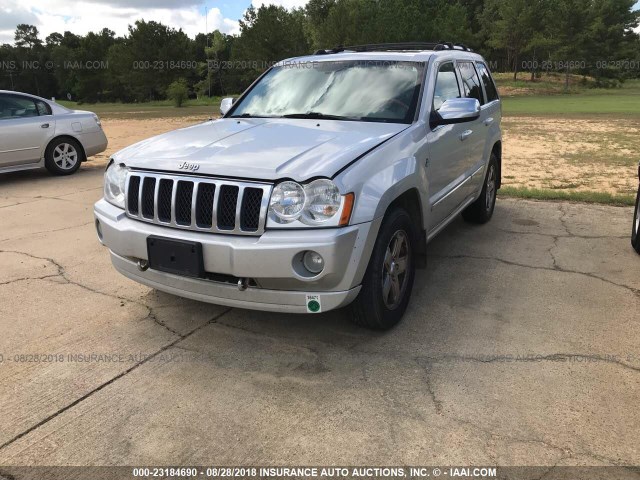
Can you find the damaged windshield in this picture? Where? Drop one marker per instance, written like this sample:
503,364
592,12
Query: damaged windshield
362,90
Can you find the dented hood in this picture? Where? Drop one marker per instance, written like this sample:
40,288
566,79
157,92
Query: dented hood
260,149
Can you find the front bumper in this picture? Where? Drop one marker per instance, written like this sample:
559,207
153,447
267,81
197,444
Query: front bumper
269,261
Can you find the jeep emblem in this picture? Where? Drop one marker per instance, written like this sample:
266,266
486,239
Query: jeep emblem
189,166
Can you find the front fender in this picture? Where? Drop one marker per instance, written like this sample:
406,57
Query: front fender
385,174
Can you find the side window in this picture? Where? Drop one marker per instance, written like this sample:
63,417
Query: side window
43,108
446,85
489,86
13,106
5,112
470,81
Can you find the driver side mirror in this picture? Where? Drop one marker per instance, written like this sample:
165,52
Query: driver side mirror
455,110
226,105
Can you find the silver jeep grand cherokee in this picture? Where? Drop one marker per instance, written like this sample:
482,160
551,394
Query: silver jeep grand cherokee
320,186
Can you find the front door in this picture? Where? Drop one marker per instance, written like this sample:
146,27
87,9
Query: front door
447,152
24,131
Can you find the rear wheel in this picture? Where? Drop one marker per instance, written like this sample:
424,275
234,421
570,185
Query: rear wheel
63,156
635,231
481,210
388,281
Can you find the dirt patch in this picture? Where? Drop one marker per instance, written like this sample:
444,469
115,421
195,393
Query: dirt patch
506,91
579,155
562,154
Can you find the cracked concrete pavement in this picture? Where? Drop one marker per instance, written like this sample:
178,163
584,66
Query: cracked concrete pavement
520,347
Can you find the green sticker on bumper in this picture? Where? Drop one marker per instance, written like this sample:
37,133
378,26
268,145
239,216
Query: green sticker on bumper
313,304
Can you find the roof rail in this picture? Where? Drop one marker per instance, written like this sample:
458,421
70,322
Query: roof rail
408,46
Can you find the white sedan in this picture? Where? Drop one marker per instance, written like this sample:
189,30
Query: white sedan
36,133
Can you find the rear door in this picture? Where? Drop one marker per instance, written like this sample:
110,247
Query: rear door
491,110
476,133
26,125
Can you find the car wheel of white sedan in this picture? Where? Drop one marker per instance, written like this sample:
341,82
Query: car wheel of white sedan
63,156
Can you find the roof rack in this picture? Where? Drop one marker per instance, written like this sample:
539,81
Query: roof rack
408,46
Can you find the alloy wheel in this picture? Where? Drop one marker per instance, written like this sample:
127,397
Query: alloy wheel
394,272
65,156
491,188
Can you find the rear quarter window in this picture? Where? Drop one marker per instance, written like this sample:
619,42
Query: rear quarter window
43,108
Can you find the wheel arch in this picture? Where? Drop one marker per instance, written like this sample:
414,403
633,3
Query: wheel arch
410,201
497,150
70,137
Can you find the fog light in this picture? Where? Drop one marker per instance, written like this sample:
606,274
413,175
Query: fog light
313,262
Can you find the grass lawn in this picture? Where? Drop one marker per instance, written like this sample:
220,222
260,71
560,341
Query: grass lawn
579,105
567,195
547,98
203,107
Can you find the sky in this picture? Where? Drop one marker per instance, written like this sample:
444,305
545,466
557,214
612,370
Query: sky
83,16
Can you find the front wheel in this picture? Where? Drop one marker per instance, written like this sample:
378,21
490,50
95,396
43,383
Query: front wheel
388,281
481,210
635,230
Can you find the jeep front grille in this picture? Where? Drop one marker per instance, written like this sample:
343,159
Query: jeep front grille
199,204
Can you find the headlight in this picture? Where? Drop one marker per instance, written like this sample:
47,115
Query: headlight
323,202
114,181
287,201
317,204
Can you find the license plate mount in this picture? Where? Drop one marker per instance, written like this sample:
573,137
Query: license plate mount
180,257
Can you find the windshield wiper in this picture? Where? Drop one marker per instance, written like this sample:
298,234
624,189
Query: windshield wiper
318,116
249,115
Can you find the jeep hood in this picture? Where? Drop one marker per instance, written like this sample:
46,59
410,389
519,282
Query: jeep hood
260,149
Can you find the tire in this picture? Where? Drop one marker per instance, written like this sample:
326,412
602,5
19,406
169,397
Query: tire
373,308
635,228
482,209
63,156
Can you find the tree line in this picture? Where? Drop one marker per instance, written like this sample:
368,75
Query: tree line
593,38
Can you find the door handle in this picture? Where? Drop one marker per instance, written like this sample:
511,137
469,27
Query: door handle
44,125
488,121
466,134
